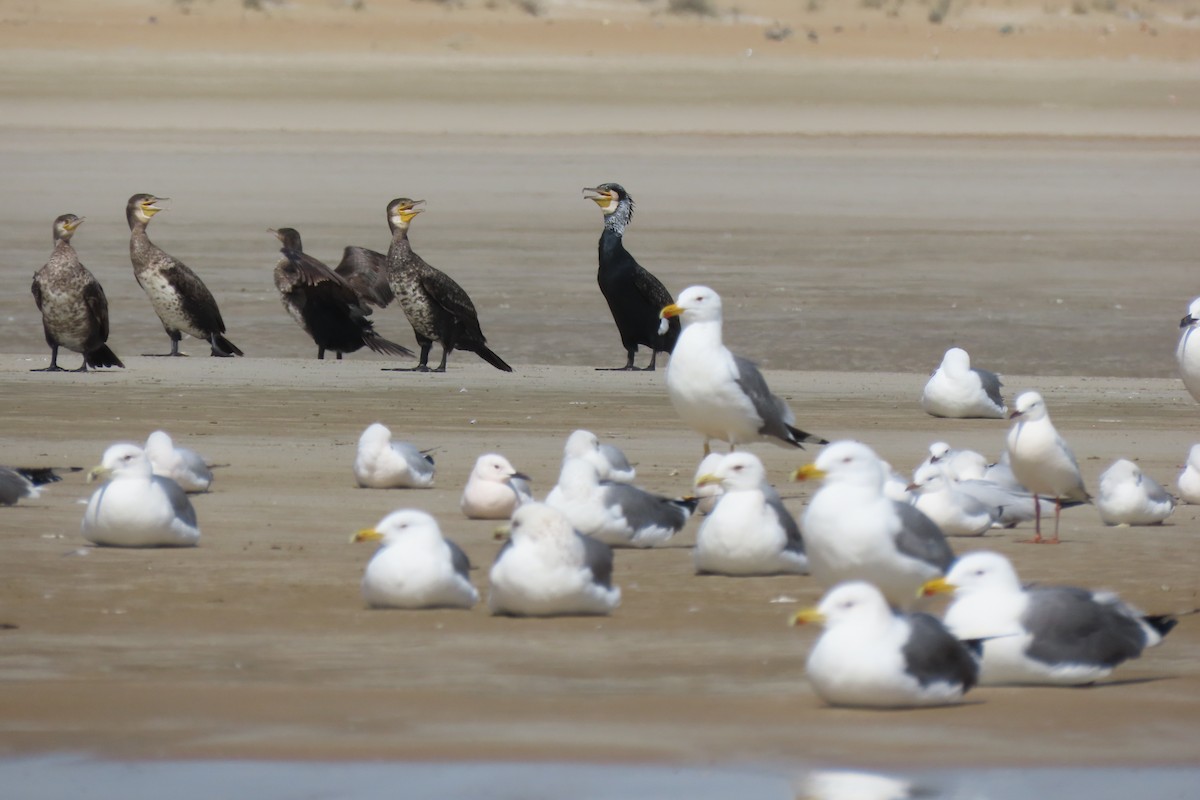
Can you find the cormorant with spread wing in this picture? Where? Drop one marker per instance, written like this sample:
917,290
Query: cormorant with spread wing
324,303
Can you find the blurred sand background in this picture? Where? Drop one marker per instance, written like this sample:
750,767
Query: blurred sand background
865,191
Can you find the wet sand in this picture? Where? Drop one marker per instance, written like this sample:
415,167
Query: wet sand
854,241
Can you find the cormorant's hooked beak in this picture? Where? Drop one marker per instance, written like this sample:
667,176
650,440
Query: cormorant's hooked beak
151,207
670,311
935,586
605,198
406,213
806,616
71,226
366,535
275,233
808,472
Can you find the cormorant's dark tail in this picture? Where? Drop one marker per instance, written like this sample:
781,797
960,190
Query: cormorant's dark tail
381,345
799,437
487,355
102,356
225,346
40,476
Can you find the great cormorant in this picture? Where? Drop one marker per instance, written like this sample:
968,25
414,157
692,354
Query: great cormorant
634,295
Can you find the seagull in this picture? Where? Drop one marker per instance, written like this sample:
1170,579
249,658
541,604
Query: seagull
384,464
719,394
959,391
1130,497
1041,460
415,567
186,467
1188,351
956,512
547,568
495,489
1057,635
609,460
870,656
21,482
137,508
853,531
750,532
957,463
1189,479
617,514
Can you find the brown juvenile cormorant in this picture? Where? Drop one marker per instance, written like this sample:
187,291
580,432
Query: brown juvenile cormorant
180,298
634,295
324,304
74,308
437,308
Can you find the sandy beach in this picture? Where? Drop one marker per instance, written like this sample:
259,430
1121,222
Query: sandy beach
863,201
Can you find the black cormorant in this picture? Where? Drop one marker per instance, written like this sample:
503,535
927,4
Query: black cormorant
74,308
180,298
437,308
324,304
634,295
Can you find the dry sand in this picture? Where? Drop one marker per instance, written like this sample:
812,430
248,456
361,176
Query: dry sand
860,216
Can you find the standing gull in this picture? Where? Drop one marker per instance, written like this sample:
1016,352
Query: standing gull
872,657
749,532
186,467
137,508
1130,497
1042,461
383,464
437,308
324,303
960,391
494,489
1188,351
719,394
74,308
853,531
618,514
181,300
1058,635
415,567
1189,479
546,568
635,297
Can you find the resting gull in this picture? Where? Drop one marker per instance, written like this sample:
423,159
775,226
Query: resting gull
959,391
1042,461
956,512
384,464
1189,479
547,568
719,394
871,656
1041,634
1130,497
17,483
608,459
415,567
853,531
617,514
495,489
186,467
137,508
750,532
